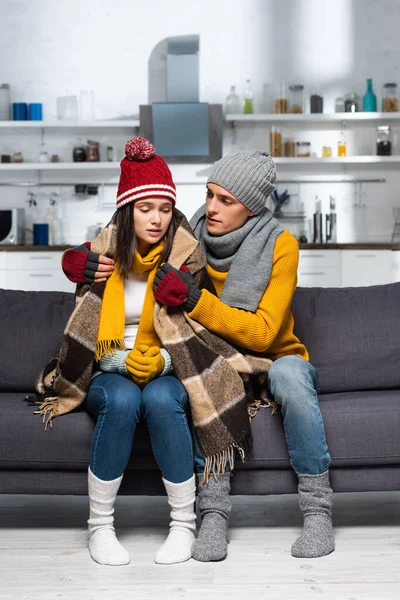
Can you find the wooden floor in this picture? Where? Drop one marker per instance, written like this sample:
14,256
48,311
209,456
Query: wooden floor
43,553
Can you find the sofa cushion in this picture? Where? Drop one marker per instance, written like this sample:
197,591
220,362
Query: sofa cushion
25,444
352,335
31,328
362,428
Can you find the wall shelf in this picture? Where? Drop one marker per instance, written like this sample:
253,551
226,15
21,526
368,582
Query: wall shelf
110,124
60,166
314,118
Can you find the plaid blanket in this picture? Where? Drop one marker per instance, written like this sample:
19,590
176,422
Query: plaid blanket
63,383
225,385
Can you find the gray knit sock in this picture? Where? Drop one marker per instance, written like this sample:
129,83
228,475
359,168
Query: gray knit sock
215,508
316,505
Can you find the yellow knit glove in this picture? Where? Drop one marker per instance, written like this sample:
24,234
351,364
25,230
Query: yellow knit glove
144,364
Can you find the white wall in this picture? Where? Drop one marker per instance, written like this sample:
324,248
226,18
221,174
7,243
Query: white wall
49,48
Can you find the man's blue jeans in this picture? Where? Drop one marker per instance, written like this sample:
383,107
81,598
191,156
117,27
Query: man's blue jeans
293,384
117,404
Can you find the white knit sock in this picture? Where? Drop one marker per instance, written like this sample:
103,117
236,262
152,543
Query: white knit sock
104,547
178,545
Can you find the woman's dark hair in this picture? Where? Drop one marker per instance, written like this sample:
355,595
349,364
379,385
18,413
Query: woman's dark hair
126,238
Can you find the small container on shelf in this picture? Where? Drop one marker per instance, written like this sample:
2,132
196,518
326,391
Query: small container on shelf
248,99
389,97
275,142
93,151
383,141
17,157
316,101
342,146
268,98
339,104
296,98
79,152
326,151
232,102
281,101
289,148
350,102
303,149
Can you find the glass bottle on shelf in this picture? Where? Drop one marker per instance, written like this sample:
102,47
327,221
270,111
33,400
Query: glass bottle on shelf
248,99
289,148
369,98
275,142
232,102
342,146
383,141
281,101
296,98
389,97
316,101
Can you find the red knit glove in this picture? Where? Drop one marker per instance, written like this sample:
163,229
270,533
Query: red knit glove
174,287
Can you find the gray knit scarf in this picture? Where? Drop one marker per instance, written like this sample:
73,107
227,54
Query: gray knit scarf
247,253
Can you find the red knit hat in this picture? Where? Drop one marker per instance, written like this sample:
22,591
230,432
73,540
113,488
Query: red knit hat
144,174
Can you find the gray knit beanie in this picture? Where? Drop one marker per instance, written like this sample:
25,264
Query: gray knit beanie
248,175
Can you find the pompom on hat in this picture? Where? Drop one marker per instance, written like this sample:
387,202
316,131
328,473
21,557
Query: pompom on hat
144,174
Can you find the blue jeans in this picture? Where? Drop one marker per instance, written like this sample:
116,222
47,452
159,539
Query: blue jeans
117,404
293,384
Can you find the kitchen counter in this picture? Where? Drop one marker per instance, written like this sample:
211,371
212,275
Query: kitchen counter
350,246
24,248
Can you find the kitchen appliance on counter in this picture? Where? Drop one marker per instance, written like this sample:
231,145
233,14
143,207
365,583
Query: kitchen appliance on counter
12,226
330,222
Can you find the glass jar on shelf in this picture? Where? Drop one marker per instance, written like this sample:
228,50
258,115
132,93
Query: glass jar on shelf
281,101
275,142
17,157
303,149
389,97
296,98
289,148
326,151
93,151
316,101
383,141
248,99
79,152
268,98
350,102
339,104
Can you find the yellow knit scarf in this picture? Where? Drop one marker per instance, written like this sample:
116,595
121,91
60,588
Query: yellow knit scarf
112,316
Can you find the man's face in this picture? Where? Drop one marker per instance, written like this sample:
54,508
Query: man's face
224,212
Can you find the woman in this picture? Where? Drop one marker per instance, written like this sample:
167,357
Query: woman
132,377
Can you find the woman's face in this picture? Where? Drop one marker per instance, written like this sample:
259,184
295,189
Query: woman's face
152,217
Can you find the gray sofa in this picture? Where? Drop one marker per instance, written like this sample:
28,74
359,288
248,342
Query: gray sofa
352,334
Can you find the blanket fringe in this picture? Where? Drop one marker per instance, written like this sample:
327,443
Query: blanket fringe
48,408
254,407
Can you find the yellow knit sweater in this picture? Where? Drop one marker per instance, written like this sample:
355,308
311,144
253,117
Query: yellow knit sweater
269,330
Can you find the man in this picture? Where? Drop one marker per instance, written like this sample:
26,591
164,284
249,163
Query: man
253,263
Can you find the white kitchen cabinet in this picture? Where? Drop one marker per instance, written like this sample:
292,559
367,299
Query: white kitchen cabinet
3,270
366,267
319,268
34,271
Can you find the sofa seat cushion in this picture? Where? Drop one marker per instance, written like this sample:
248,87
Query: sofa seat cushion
362,428
24,443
